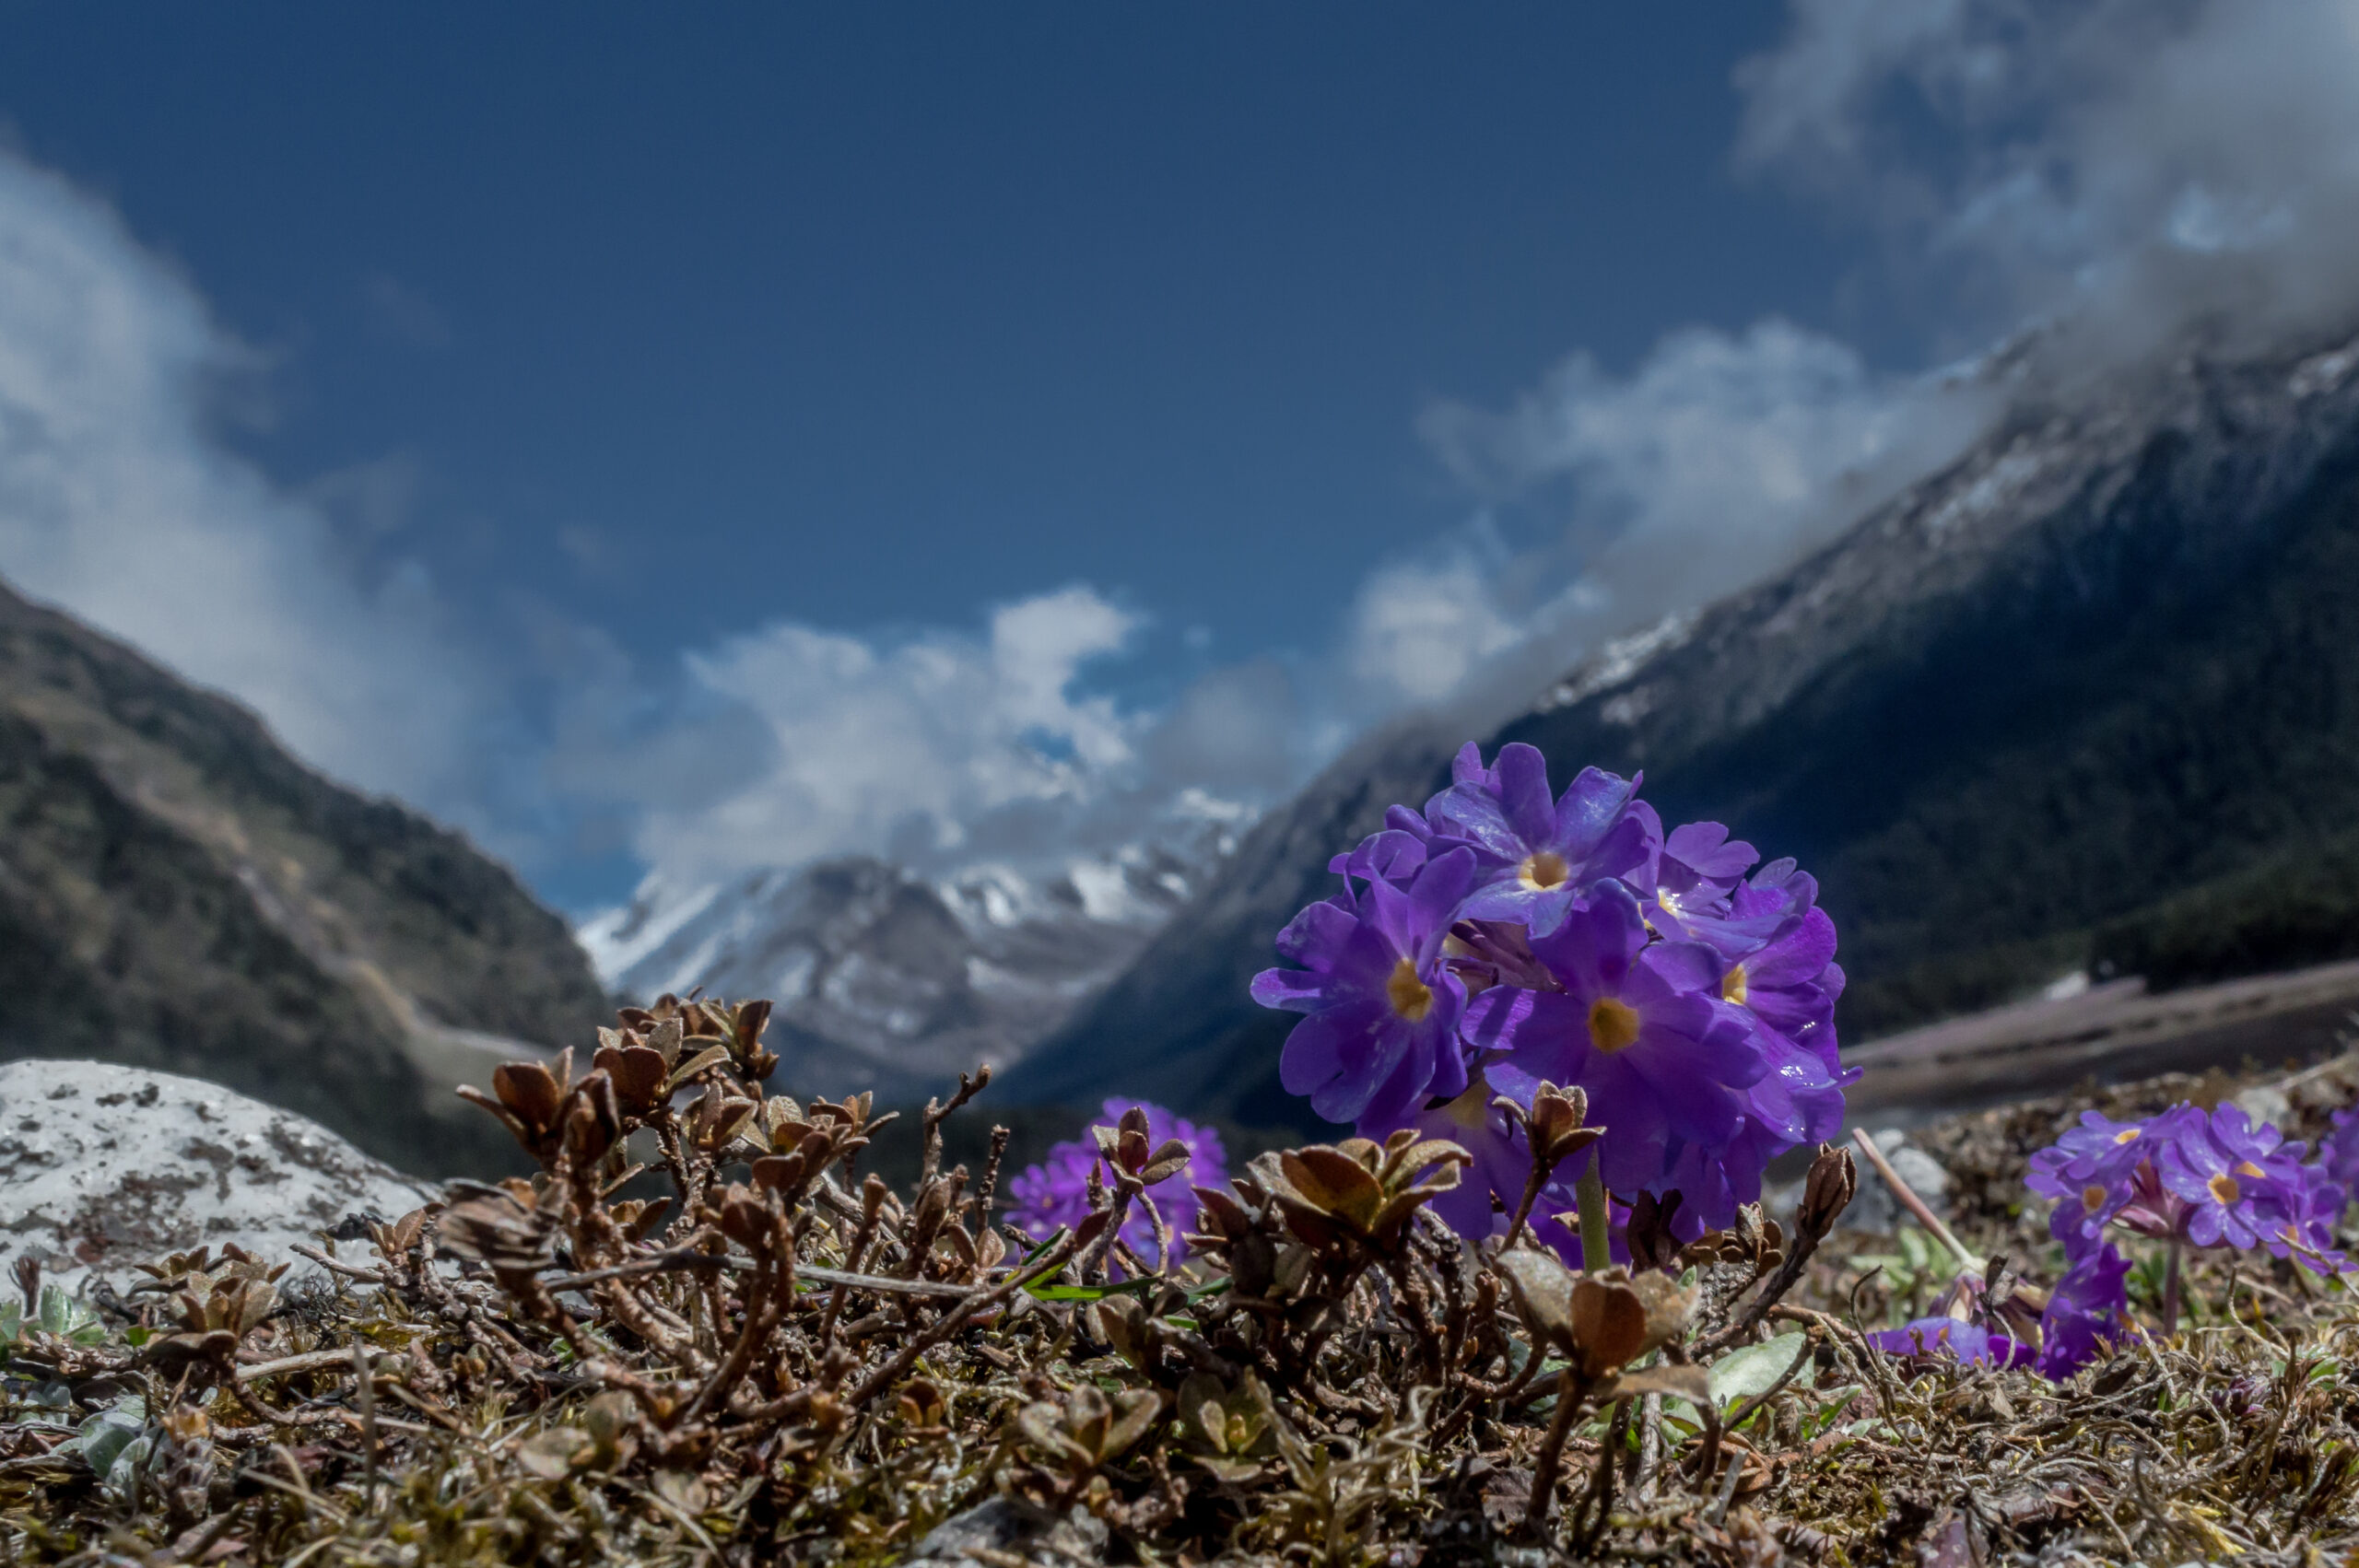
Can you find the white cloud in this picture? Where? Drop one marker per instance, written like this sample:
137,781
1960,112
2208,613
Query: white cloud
1719,459
912,746
2129,166
117,502
1419,628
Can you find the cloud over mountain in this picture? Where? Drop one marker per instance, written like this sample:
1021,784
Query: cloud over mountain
120,501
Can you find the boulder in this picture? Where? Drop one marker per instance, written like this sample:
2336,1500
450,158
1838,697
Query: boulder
102,1167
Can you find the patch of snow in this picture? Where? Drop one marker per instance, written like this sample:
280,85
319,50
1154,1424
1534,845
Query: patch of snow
1623,657
2066,988
2324,372
619,939
1629,706
1107,894
2002,479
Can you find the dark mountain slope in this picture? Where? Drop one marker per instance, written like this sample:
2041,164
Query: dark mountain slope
2110,655
177,892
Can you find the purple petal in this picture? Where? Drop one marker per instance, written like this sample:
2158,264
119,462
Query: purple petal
1523,794
1592,804
1318,934
1293,990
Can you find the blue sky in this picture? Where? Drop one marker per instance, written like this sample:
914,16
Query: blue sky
624,370
1006,295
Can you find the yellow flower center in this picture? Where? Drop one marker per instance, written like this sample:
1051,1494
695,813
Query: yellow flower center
1613,1024
2126,1135
1410,996
1544,870
2247,1168
1732,985
2223,1188
2092,1198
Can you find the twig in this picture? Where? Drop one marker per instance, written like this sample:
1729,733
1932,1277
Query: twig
365,1393
990,1193
1572,1393
663,1262
336,1265
1914,1204
950,1323
1728,1489
873,1204
936,1113
310,1361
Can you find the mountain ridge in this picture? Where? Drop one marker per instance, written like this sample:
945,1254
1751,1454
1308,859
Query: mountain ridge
2025,697
888,980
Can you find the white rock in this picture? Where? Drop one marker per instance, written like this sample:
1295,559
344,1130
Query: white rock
2266,1102
103,1166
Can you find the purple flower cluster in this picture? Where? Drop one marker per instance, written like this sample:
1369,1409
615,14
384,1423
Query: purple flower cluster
2193,1179
1506,936
1056,1191
2203,1180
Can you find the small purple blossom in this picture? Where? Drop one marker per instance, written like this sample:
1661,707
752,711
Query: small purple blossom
1969,1343
2102,1170
1055,1192
1381,1036
1536,854
1502,1155
2339,1150
2087,1312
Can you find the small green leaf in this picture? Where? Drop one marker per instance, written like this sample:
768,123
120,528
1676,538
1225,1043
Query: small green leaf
1753,1370
102,1438
1091,1293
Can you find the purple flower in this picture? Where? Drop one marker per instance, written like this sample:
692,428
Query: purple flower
1700,867
1502,1156
1396,852
2087,1311
1382,1031
1969,1343
1639,1027
2102,1170
2210,1180
1537,853
2226,1174
1793,1103
1055,1192
2339,1150
1779,946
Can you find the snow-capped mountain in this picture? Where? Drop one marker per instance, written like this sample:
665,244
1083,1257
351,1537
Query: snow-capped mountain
888,980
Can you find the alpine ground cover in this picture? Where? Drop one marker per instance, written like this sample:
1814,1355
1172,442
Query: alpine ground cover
1535,1310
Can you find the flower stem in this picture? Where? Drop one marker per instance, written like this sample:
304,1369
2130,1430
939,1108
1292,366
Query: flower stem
2170,1291
1596,1251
